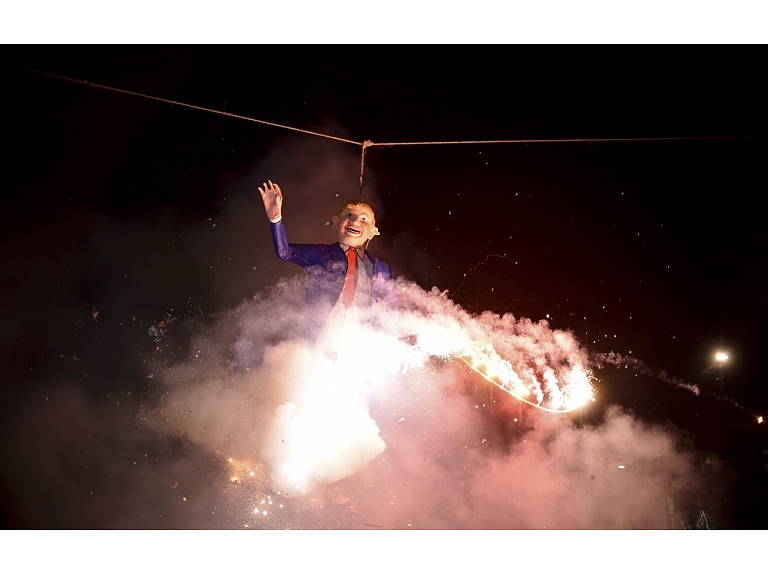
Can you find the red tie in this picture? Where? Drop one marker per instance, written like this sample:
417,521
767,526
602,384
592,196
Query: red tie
350,280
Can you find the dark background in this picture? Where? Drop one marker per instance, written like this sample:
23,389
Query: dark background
652,249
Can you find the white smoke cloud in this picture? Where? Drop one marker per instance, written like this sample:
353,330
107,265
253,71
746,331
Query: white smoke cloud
396,437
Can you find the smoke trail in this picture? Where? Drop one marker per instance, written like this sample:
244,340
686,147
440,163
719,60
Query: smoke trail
613,358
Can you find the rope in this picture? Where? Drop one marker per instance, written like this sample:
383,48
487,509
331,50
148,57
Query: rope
566,140
175,103
366,144
369,144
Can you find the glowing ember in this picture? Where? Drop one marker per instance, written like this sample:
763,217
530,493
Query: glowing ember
250,494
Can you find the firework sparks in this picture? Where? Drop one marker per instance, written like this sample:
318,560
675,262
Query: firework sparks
249,490
539,366
575,396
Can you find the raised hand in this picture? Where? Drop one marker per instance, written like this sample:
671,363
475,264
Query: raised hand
273,200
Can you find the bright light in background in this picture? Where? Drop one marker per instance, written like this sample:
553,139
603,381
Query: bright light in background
621,467
759,418
721,357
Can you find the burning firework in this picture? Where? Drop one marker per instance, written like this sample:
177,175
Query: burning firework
539,366
307,417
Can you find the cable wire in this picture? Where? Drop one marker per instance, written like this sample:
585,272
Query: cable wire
370,144
176,103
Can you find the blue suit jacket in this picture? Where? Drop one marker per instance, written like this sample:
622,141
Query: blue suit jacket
326,266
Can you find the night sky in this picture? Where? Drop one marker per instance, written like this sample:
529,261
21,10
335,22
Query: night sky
122,211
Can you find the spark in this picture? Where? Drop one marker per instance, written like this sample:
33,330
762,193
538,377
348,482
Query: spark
528,360
252,496
558,389
487,258
577,396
